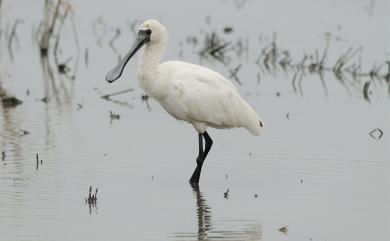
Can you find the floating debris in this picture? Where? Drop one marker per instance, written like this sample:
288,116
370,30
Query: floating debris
283,230
79,106
24,132
256,196
10,101
228,29
45,99
226,194
376,133
114,116
63,67
3,156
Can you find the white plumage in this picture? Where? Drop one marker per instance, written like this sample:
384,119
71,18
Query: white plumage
188,92
204,98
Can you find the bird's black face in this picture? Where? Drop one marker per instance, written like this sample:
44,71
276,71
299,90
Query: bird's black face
142,38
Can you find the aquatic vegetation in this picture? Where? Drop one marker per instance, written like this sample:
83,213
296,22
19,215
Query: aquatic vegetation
91,200
48,37
219,46
8,101
322,83
37,159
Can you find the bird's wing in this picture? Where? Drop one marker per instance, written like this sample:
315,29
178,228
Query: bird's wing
206,96
183,70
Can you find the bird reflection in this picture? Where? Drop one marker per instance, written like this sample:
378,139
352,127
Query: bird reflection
203,213
211,230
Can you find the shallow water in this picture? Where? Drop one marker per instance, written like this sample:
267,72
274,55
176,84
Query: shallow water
315,169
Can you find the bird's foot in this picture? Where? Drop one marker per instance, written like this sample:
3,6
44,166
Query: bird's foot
196,175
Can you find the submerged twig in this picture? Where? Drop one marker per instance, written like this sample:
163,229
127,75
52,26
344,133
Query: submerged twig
365,90
37,158
226,194
215,47
48,26
107,96
145,98
113,39
387,77
233,74
91,200
99,28
86,57
13,36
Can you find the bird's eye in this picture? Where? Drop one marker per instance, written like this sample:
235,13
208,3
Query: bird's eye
148,31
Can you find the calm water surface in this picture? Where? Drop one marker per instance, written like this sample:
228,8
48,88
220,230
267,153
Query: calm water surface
314,170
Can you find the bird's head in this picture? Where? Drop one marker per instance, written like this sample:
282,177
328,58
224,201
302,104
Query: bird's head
150,32
157,31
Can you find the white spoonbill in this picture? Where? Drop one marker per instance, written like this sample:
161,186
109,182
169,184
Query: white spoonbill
188,92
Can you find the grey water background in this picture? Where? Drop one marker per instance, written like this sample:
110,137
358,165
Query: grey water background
317,172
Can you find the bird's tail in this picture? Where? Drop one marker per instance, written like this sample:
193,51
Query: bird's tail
253,123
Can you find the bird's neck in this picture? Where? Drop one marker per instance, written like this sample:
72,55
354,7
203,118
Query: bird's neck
150,59
148,66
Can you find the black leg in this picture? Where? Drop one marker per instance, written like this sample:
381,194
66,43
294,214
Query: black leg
209,143
202,156
199,162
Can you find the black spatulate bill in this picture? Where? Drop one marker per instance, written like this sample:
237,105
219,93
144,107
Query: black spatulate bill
142,38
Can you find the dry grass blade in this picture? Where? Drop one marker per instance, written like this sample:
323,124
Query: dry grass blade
107,96
365,90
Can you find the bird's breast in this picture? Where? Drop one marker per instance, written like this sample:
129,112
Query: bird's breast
153,85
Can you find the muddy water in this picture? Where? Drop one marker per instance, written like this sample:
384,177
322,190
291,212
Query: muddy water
314,170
